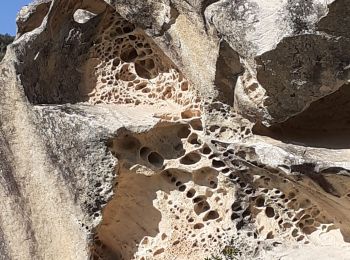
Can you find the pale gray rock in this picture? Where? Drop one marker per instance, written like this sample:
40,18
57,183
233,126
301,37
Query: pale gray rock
176,130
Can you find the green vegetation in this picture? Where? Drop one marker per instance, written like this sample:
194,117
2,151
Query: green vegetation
228,253
5,39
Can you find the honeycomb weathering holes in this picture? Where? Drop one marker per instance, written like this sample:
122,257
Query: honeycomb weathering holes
192,200
159,194
144,152
133,70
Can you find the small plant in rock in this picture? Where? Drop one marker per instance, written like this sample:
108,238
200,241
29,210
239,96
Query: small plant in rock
228,253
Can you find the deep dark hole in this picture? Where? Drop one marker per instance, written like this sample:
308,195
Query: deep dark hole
142,72
218,164
155,159
190,158
270,212
128,55
213,214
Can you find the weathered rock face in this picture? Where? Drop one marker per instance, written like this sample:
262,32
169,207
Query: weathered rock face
5,40
176,130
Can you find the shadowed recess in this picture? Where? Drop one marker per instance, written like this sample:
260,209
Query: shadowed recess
325,124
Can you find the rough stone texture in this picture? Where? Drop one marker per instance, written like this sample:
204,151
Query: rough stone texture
5,40
176,130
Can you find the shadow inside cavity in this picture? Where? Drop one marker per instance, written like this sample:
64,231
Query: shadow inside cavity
325,124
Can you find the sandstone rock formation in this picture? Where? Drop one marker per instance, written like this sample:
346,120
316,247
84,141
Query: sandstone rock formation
176,129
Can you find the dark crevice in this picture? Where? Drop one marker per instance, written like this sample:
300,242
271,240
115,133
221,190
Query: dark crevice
5,40
205,5
228,68
325,124
174,14
308,169
321,181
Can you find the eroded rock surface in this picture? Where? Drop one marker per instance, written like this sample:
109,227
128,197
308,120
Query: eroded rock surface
176,130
